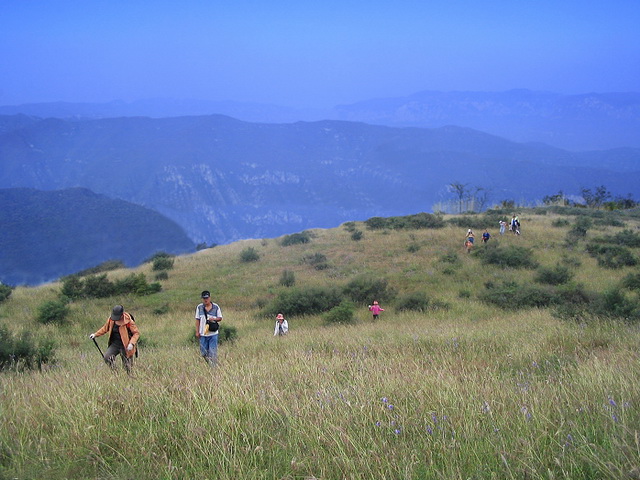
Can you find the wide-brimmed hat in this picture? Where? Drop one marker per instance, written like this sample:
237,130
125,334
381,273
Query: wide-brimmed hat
116,313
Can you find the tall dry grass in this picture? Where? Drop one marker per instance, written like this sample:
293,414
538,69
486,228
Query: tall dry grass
472,391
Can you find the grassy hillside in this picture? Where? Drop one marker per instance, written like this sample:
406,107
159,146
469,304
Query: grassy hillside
464,388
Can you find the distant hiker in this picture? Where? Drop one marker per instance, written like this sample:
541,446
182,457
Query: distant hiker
468,240
122,340
208,314
485,236
375,309
503,227
470,236
282,326
515,224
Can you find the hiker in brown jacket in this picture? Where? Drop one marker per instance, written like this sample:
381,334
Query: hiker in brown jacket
122,340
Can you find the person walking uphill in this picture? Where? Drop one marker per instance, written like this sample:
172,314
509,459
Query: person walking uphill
375,309
282,326
123,338
208,314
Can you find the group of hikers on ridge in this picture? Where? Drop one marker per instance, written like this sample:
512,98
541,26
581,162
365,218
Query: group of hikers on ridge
123,333
514,227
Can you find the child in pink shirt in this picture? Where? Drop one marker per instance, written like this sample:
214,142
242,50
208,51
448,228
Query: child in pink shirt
375,309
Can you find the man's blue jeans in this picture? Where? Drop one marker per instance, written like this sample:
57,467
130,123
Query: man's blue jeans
209,348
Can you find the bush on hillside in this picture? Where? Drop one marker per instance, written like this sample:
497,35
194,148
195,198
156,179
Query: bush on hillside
22,352
364,289
626,238
53,312
296,239
357,235
98,286
415,301
631,281
342,313
162,262
512,256
249,254
614,303
227,333
305,301
579,229
5,292
288,278
554,275
511,295
611,256
417,221
317,260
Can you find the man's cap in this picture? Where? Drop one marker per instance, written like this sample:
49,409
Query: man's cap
280,316
205,294
116,313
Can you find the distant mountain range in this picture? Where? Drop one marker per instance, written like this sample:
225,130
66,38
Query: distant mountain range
45,235
590,121
223,179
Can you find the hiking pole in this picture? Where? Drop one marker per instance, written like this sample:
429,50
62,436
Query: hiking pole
98,347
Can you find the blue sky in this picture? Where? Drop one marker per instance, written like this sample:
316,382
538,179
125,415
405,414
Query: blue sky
311,54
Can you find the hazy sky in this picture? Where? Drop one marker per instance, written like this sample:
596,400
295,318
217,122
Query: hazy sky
312,53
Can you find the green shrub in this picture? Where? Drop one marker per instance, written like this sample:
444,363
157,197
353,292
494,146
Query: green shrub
98,286
317,260
451,258
342,313
615,303
560,222
357,235
296,239
511,295
413,248
611,256
417,221
305,301
580,228
366,288
249,254
554,275
227,333
53,311
73,287
512,256
5,292
164,262
415,301
288,278
350,226
164,275
23,352
631,281
162,309
626,238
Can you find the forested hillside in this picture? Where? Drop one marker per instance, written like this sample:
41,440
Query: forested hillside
47,234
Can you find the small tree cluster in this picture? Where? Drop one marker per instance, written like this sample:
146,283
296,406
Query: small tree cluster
249,254
23,351
99,286
296,239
